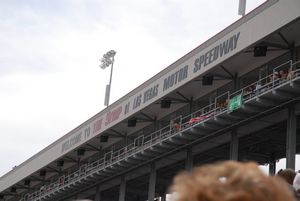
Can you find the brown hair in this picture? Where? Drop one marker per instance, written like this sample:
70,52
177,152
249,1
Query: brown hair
229,181
288,175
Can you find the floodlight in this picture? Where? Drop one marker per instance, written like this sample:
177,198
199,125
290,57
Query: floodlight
106,61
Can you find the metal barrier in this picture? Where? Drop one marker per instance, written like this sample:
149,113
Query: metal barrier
177,124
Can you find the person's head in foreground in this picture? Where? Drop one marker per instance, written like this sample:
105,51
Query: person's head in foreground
229,181
296,184
288,175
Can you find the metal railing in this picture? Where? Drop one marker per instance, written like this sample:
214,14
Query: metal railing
143,142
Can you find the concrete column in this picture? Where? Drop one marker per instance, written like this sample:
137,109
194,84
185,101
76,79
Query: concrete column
163,193
297,52
191,105
98,193
156,124
234,146
189,160
272,168
236,82
152,181
293,52
291,138
122,192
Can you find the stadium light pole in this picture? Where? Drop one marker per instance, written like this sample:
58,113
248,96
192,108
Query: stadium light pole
242,7
107,60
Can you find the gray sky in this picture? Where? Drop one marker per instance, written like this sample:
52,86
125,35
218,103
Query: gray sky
50,80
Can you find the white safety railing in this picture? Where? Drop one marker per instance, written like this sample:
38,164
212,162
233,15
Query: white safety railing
176,125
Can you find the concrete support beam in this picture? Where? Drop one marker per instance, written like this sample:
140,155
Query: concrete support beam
291,138
152,182
98,193
234,146
122,192
297,52
189,160
293,52
272,168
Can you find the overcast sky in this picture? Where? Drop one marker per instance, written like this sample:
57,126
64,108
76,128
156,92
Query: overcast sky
50,80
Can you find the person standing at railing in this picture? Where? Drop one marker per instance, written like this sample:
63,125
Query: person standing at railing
290,74
248,91
258,87
282,75
274,78
174,126
224,104
177,126
172,123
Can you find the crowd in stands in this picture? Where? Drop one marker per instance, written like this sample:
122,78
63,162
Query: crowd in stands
275,78
200,117
235,181
282,75
222,104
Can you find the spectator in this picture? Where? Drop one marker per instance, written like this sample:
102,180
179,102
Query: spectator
175,127
275,76
248,91
282,75
258,87
221,105
172,124
229,181
290,74
288,175
296,185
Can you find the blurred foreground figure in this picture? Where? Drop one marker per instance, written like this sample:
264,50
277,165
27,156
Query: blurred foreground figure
229,181
296,185
289,176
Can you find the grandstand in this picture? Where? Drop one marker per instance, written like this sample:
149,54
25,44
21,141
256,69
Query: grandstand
236,96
